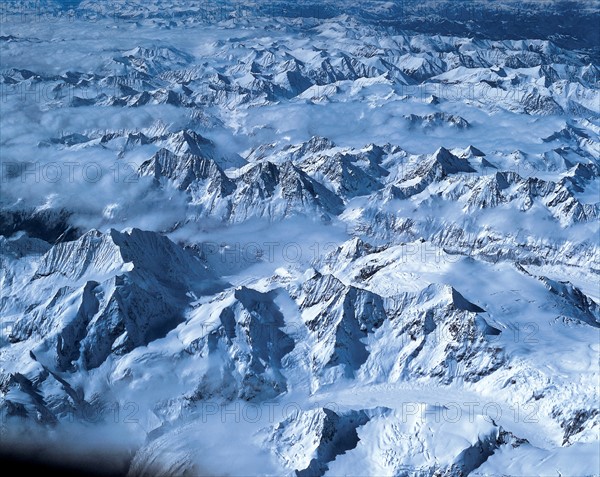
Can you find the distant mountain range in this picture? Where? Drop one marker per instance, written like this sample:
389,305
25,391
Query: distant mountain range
306,239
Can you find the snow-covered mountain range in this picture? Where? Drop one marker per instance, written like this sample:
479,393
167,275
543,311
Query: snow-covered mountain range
301,239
